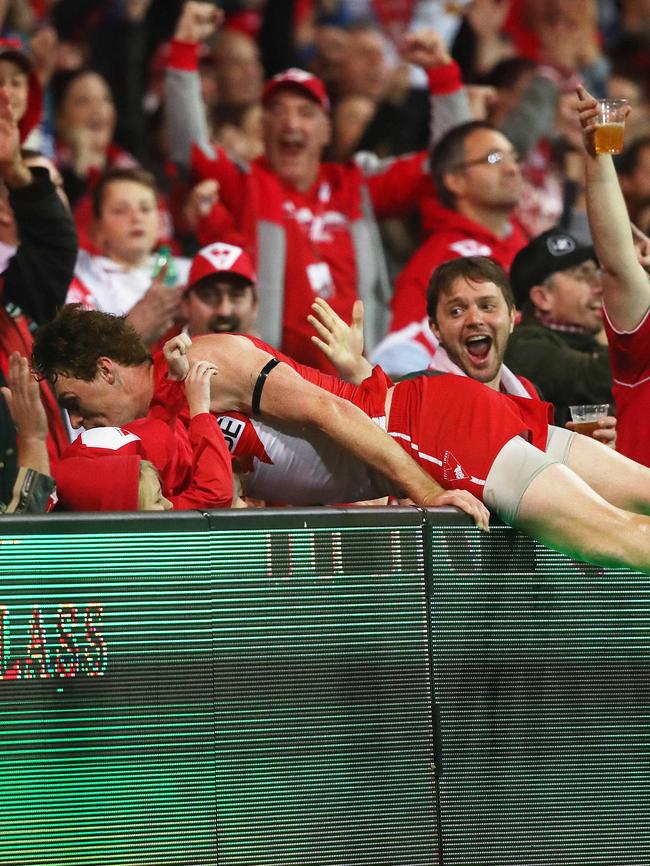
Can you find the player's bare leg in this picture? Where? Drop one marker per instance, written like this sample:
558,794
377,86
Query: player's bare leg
619,480
563,512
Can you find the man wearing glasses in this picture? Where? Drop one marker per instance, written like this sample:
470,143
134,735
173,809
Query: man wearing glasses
560,343
478,183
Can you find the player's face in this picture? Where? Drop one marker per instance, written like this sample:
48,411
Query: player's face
219,305
98,403
295,130
576,296
473,325
129,225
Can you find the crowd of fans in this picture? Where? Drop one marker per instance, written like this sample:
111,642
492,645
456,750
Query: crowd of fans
347,183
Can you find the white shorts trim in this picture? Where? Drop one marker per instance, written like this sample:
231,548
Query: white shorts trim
512,471
559,443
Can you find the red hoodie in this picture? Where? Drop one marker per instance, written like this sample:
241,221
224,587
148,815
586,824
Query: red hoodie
450,235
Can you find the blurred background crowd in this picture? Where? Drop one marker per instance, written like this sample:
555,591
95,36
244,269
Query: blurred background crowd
331,149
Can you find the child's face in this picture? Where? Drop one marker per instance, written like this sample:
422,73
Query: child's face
14,82
129,225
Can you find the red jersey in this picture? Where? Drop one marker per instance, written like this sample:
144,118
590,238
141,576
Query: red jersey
194,462
455,426
450,236
629,360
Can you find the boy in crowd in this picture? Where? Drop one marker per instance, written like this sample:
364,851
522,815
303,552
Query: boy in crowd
122,279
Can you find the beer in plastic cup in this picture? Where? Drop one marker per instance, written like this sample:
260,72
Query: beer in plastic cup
610,126
585,418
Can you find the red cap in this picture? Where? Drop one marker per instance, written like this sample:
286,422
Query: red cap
220,258
298,79
91,482
98,482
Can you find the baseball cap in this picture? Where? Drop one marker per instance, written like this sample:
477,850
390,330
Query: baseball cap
299,79
220,258
11,49
148,438
554,250
98,482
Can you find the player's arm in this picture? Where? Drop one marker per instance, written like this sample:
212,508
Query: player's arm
211,485
283,395
288,397
625,283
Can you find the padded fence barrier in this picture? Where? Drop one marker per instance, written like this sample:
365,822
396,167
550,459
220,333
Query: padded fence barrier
364,686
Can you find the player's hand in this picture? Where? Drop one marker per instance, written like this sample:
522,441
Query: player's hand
425,48
175,352
465,501
24,400
342,344
197,386
605,432
198,21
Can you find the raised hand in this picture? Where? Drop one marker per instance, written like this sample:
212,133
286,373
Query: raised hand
425,48
197,386
198,21
175,352
342,344
24,400
587,107
201,200
9,138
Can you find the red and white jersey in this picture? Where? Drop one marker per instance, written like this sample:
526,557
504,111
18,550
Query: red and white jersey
455,427
629,360
102,284
304,466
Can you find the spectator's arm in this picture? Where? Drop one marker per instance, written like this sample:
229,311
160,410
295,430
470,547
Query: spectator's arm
625,282
27,412
397,185
449,102
38,275
184,109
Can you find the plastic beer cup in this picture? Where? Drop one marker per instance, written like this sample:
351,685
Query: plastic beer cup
610,126
585,418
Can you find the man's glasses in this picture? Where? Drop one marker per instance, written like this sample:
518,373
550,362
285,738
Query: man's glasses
494,157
